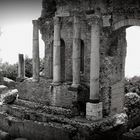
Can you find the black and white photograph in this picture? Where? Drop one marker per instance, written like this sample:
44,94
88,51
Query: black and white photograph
69,69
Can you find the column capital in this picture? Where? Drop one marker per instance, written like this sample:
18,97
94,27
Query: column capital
76,19
35,22
57,20
94,20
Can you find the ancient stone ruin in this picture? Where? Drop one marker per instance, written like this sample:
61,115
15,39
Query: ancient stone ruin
80,94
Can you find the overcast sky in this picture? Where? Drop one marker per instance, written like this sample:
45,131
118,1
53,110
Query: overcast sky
16,25
12,11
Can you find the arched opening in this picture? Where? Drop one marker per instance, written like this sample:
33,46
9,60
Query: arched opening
125,38
120,51
132,66
62,57
82,57
51,60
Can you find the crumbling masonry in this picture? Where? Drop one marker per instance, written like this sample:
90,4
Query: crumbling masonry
81,90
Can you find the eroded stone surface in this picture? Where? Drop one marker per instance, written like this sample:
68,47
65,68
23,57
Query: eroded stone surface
94,111
3,89
8,82
4,135
9,97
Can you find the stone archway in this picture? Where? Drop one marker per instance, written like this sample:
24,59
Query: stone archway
116,54
120,27
126,23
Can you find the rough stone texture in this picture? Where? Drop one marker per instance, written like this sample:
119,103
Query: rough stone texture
8,82
132,134
94,111
46,93
116,17
35,91
3,89
35,130
75,128
117,97
48,109
112,69
9,97
4,135
21,66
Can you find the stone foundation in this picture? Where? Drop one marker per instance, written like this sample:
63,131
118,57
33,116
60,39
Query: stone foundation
94,111
46,93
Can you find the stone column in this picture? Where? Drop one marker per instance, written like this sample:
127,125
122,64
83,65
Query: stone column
95,60
36,60
21,66
94,107
76,53
56,52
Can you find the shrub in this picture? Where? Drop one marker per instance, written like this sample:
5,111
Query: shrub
9,71
132,85
132,105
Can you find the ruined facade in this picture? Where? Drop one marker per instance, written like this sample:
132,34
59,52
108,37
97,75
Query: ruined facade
85,50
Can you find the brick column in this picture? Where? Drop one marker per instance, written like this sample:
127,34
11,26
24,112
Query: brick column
21,66
36,61
76,53
94,107
56,52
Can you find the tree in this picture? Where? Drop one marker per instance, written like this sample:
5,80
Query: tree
9,71
28,67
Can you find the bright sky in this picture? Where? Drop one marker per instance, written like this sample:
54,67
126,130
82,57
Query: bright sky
132,67
17,38
16,25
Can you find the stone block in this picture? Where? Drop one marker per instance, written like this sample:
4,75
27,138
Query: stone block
9,97
94,111
117,98
4,136
8,82
3,89
38,92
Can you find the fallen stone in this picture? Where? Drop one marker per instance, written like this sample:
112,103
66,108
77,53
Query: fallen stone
3,89
8,82
9,97
4,135
42,73
132,134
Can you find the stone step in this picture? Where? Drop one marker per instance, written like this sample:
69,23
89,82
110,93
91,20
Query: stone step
34,130
44,108
32,114
40,126
38,115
